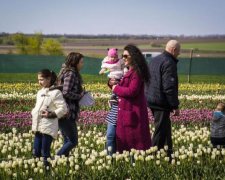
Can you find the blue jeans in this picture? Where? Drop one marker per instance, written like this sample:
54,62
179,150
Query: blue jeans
68,128
111,138
42,145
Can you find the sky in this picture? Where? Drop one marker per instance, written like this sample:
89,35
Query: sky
94,17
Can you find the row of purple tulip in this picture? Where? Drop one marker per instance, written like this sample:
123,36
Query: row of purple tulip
23,119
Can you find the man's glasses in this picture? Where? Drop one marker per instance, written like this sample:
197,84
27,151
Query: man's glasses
125,56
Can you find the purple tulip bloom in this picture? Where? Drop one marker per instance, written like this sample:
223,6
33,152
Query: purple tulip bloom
23,119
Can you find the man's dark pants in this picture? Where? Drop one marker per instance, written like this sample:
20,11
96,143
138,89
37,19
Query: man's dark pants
162,135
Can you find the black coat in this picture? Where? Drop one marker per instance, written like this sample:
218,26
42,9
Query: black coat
162,91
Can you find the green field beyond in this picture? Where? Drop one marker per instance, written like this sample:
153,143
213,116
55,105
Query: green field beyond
31,77
210,46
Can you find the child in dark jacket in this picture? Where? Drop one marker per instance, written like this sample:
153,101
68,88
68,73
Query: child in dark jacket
217,129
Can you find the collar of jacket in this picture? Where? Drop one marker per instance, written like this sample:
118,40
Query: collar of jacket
64,68
44,92
171,56
129,72
70,69
112,62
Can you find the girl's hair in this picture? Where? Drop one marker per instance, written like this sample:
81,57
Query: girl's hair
138,62
220,107
73,59
46,73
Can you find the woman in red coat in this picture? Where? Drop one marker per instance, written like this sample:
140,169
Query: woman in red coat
132,131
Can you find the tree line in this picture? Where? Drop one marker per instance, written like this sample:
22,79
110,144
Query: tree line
125,36
34,44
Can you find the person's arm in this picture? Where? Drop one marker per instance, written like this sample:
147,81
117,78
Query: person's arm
61,107
33,110
102,71
70,81
169,83
60,104
48,114
104,64
176,112
104,67
132,90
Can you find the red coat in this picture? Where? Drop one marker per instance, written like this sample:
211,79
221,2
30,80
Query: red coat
132,129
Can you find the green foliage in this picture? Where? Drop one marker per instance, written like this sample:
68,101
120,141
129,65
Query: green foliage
209,46
32,77
155,45
8,40
24,105
28,45
21,42
88,78
63,39
195,159
18,77
35,43
202,79
53,47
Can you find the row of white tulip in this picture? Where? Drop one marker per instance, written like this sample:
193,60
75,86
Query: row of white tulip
16,95
191,146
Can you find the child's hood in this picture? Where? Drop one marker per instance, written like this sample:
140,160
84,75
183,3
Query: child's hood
218,115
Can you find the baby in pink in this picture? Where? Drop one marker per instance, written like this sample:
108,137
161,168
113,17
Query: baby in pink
113,65
115,68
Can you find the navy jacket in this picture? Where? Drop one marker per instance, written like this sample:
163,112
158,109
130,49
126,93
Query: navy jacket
162,91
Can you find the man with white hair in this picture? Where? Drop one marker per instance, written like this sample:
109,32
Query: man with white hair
162,94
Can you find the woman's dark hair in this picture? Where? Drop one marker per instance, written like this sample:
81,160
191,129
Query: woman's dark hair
138,62
73,59
46,73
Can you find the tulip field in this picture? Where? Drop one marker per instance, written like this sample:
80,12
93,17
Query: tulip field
193,155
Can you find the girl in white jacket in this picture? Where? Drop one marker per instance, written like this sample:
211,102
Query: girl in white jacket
50,106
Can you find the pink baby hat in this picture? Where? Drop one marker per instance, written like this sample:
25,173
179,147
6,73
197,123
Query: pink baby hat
112,52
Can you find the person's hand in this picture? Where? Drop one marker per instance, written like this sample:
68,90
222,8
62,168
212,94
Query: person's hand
44,113
176,112
82,94
48,114
113,87
102,71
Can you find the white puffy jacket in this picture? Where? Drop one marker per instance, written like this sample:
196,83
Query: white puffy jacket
52,101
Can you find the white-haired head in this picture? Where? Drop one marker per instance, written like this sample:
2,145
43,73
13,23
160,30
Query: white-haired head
173,47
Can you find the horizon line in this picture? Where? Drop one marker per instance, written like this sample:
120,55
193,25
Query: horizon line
122,34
